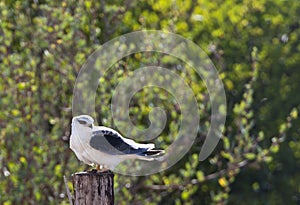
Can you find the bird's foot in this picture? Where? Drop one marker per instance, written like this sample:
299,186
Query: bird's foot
100,168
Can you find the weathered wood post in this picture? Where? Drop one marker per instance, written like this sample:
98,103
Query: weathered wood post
93,188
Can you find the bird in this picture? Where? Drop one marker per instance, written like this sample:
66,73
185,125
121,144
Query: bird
105,147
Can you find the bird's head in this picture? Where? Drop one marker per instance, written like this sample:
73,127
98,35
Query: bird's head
83,121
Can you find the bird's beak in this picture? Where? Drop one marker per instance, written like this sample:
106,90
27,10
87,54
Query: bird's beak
91,126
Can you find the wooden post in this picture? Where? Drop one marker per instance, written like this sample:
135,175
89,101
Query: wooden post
93,188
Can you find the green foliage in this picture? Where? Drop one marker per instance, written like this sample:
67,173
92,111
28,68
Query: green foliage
255,47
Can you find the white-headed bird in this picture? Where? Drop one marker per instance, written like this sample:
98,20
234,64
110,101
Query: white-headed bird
99,145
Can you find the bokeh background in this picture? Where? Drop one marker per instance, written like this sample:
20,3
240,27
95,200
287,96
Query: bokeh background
253,43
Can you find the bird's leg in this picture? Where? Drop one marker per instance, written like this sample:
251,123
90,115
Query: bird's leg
98,167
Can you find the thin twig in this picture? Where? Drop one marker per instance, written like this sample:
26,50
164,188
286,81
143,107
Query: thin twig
71,198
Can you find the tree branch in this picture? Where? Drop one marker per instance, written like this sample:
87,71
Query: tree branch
195,181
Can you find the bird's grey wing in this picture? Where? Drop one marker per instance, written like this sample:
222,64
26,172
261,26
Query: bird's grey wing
112,143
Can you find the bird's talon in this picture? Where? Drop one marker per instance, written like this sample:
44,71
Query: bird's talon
100,168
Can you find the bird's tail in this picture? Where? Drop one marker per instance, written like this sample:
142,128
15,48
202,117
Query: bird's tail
154,152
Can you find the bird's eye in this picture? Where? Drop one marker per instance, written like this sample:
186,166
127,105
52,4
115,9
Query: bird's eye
83,122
